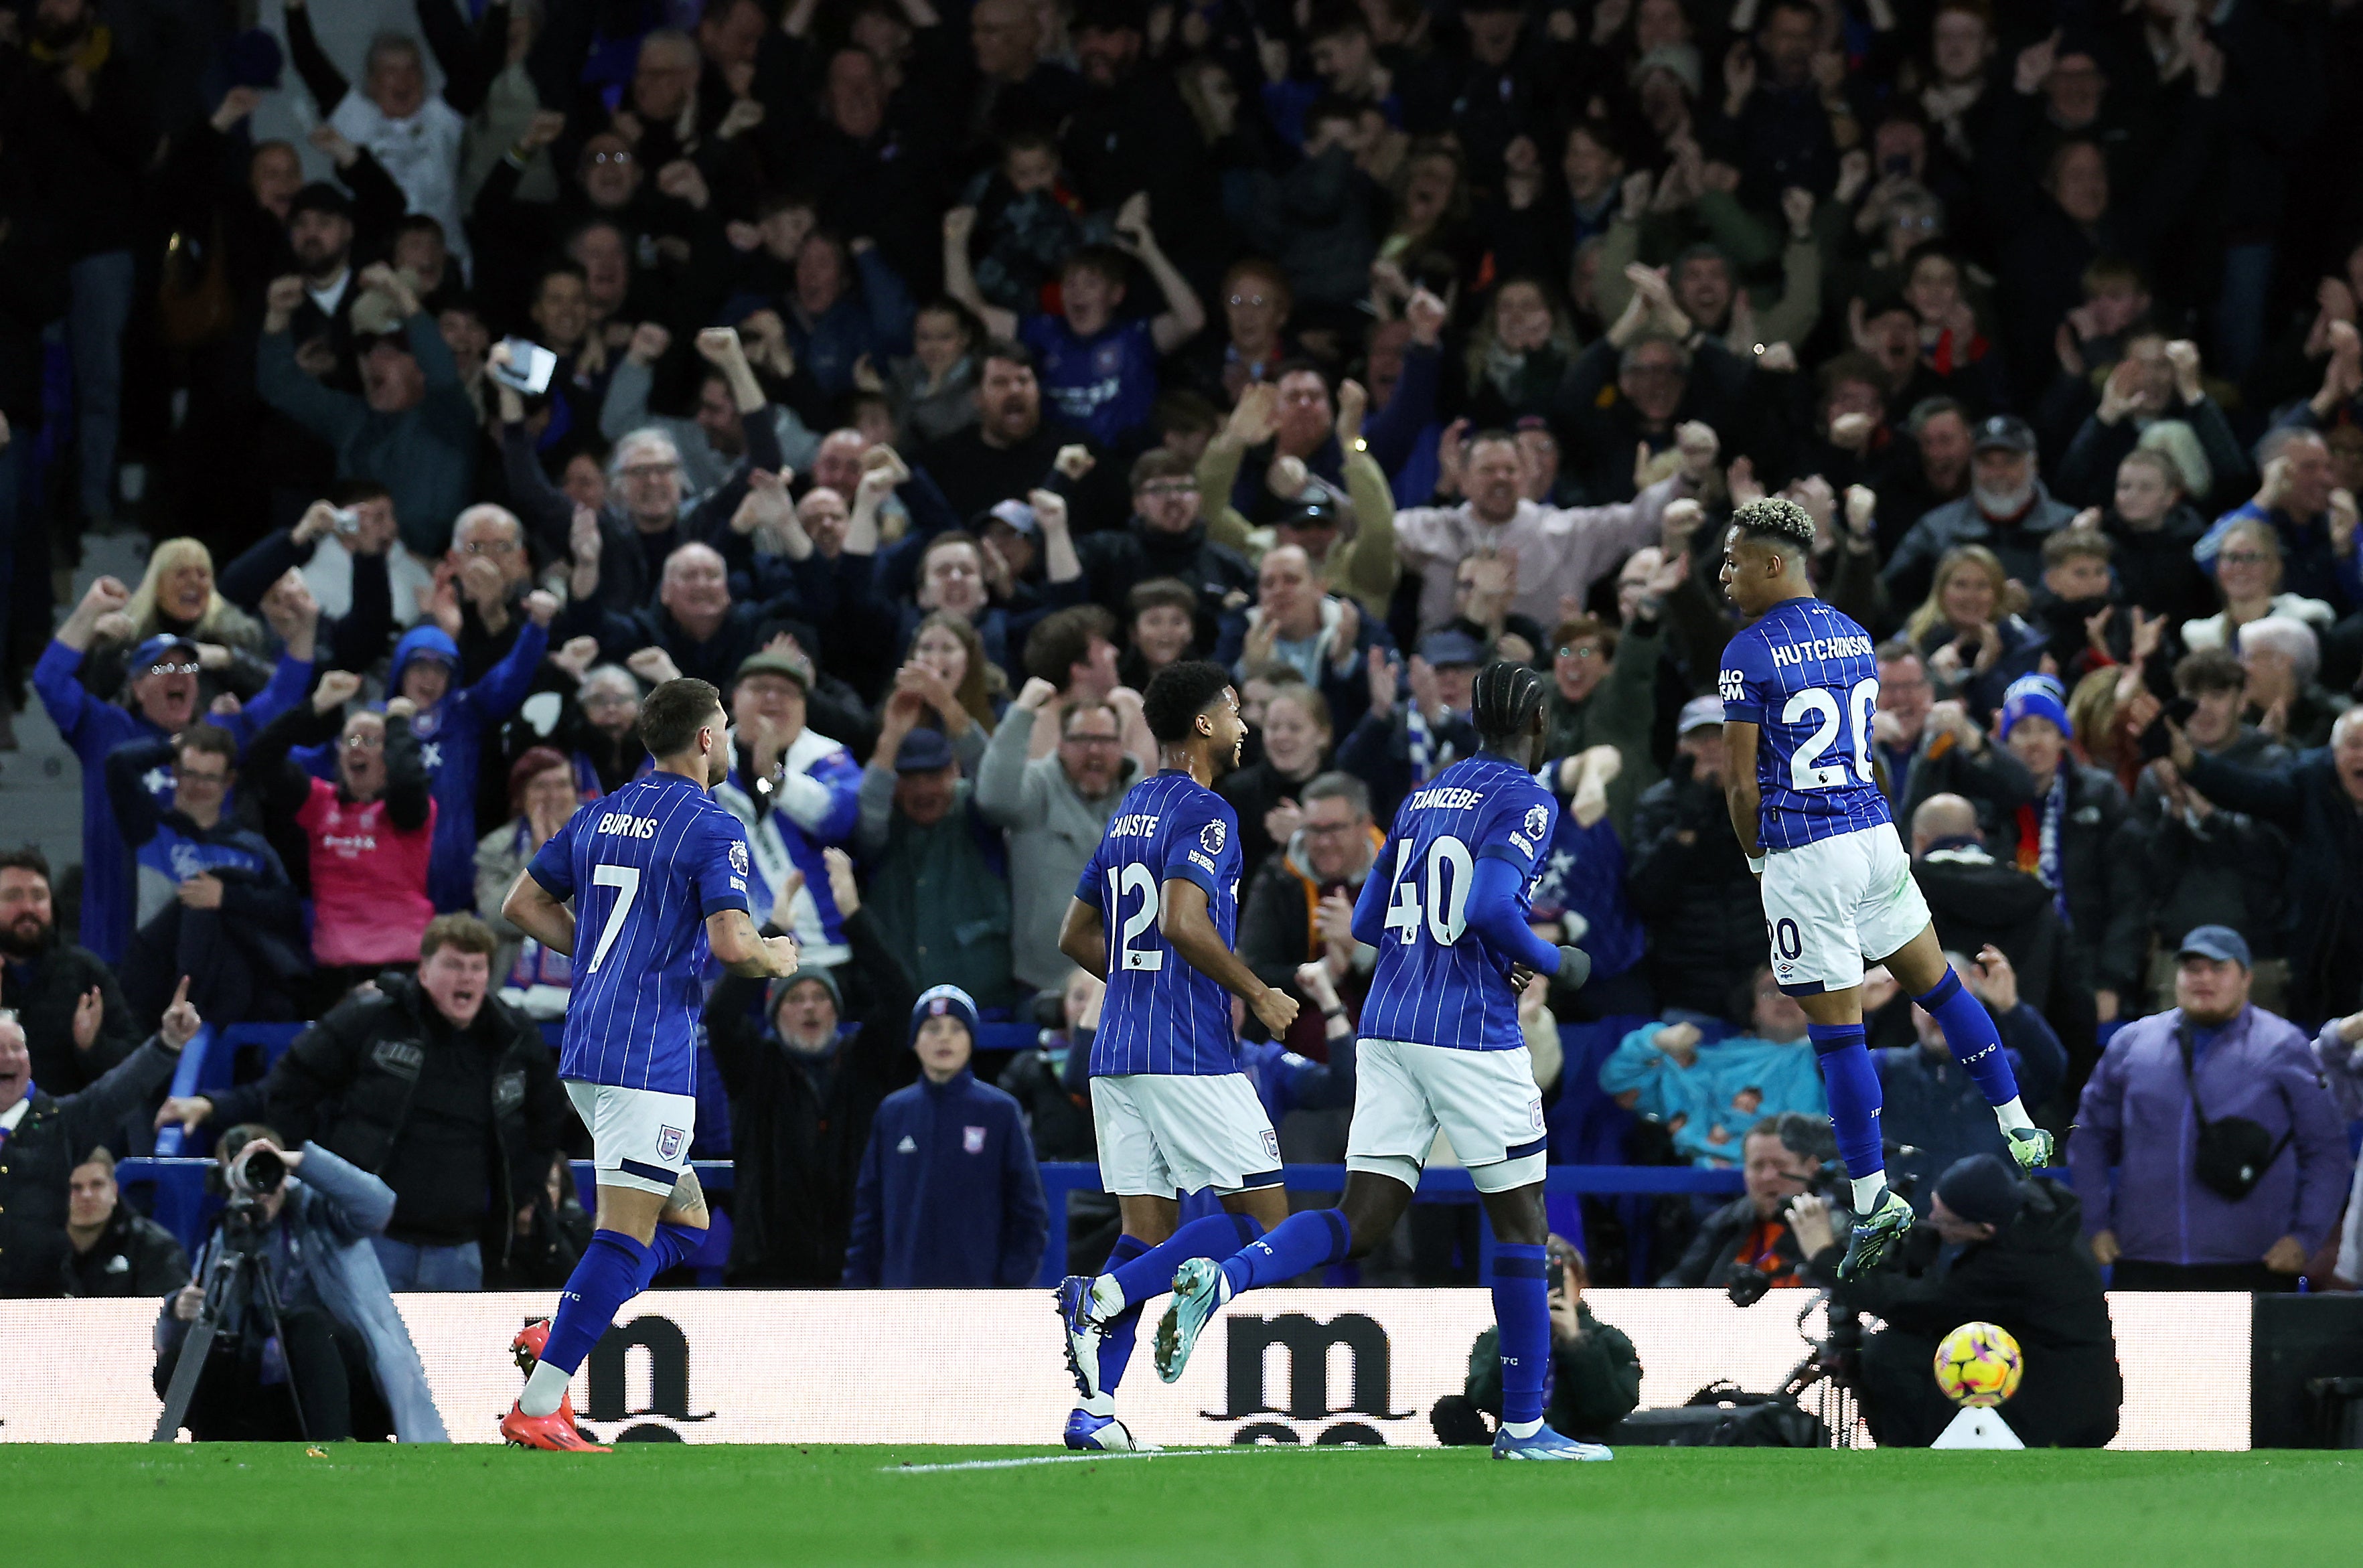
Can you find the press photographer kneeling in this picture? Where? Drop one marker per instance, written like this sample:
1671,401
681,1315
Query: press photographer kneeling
1994,1249
298,1337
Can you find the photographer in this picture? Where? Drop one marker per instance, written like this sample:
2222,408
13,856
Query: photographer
1995,1249
1595,1374
1774,1229
43,1138
340,1364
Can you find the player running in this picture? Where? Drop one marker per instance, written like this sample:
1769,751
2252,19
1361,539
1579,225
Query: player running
657,871
1445,906
1799,687
1155,916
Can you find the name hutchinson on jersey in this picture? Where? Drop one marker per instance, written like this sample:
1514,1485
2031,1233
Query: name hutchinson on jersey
1823,648
628,826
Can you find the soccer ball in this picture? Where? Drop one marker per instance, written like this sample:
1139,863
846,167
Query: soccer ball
1980,1365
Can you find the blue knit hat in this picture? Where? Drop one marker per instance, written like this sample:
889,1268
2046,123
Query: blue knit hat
2036,697
944,1002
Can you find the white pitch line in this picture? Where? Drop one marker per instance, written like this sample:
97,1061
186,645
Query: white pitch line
1097,1458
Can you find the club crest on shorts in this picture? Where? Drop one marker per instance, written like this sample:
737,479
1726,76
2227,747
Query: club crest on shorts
738,855
1210,835
973,1140
1535,1115
668,1140
1270,1144
1536,820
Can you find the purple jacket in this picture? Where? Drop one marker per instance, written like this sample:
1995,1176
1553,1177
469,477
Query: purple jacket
2136,1116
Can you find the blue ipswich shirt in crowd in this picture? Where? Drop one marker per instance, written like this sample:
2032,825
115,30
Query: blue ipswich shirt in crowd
1807,676
645,867
1161,1015
1437,982
1103,385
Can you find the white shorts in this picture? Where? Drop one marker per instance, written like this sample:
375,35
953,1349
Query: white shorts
1830,904
1162,1135
640,1138
1485,1101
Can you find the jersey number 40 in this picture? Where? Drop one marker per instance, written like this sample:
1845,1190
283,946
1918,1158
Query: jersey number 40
1807,770
1123,880
1446,910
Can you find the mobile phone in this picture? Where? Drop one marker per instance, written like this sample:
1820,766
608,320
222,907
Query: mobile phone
529,368
348,520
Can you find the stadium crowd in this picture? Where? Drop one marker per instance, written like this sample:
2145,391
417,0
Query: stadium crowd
928,378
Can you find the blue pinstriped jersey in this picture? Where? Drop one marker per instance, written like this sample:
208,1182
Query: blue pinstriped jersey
645,867
1161,1014
1437,982
1806,676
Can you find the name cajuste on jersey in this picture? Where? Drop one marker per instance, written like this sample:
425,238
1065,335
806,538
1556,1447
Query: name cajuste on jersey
1820,649
628,826
1134,826
1445,800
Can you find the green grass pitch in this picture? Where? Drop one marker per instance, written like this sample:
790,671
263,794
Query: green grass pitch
658,1503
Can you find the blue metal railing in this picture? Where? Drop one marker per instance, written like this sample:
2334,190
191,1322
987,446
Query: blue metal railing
183,1206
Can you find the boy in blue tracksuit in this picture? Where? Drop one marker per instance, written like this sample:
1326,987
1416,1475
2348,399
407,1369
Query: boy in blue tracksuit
451,728
160,689
949,1197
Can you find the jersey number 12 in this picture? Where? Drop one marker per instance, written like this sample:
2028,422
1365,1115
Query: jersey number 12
1806,769
1122,880
1446,913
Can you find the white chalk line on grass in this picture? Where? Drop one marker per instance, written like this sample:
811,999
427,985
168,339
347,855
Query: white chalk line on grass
1152,1453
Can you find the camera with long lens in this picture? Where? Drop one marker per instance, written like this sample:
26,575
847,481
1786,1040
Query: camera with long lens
257,1173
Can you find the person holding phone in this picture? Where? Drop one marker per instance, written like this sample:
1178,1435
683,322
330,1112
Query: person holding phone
1596,1379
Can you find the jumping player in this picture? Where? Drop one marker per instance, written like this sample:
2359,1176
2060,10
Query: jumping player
1441,1048
1799,687
657,872
1155,916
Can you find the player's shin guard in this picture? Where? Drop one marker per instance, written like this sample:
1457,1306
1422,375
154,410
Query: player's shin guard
1522,1308
1314,1239
1151,1275
1842,1051
1976,1044
607,1276
1117,1334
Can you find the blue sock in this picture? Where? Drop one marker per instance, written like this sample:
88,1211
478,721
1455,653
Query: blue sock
1212,1236
671,1249
1976,1044
1313,1239
601,1282
1843,1054
1522,1306
1116,1338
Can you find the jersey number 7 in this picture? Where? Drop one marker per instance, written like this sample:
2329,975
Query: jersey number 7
626,880
1449,869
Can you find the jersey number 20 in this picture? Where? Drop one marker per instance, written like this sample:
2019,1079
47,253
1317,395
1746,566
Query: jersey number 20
1806,769
1121,881
1446,908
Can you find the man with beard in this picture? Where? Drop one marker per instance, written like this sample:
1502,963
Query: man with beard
161,689
76,1023
2007,510
1010,450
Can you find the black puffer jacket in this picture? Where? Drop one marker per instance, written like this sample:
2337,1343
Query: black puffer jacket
2035,1278
1691,886
2324,933
350,1083
2105,910
797,1126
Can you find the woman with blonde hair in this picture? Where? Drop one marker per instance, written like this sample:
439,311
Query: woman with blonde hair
1969,632
2248,579
1519,353
177,598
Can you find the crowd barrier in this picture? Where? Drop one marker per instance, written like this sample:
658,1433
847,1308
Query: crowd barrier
1281,1366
